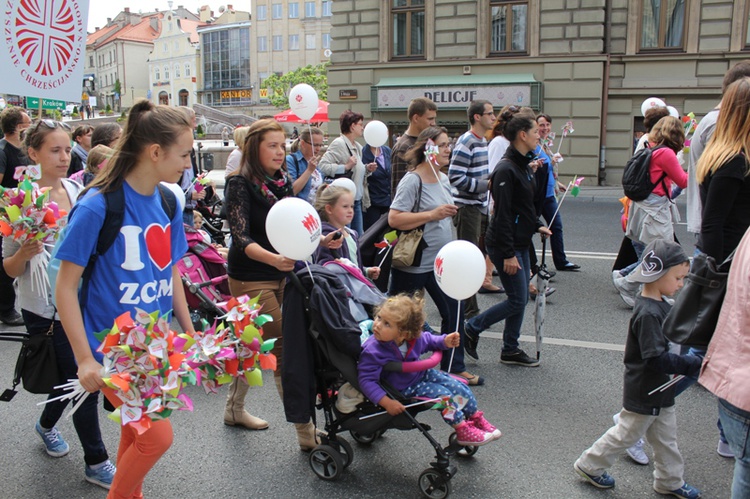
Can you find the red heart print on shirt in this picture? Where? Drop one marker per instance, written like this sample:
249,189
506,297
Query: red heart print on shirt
158,243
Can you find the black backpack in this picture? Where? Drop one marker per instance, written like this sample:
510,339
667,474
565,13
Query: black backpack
636,179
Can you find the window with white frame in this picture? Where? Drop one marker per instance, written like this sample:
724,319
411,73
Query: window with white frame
261,12
293,10
177,71
278,43
262,44
327,8
276,11
293,42
187,69
309,9
157,76
326,40
166,72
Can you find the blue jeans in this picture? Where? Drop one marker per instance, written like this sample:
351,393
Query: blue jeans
736,423
403,282
511,310
556,239
434,384
86,418
639,248
357,220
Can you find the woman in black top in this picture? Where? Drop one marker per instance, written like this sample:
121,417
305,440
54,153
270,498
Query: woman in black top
723,172
508,237
254,266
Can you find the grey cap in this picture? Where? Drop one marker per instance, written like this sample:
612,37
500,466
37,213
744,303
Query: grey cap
659,256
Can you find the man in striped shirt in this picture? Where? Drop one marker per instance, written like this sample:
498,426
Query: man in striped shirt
469,177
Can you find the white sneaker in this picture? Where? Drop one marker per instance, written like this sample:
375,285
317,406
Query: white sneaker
635,452
723,449
627,290
615,275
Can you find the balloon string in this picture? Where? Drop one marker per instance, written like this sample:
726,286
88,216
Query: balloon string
309,271
458,321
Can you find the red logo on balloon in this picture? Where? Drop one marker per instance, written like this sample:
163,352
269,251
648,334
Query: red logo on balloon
311,223
45,32
298,98
439,266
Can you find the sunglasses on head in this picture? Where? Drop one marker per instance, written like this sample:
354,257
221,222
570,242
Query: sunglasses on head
54,124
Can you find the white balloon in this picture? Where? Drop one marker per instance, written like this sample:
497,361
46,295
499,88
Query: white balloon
303,101
293,228
178,193
346,184
460,269
673,112
376,133
651,102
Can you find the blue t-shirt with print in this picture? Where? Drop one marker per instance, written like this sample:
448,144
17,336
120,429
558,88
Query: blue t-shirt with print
136,271
551,182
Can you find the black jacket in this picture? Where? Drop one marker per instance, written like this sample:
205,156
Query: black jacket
515,220
322,310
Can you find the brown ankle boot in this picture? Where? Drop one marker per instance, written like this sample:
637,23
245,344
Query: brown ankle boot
235,413
306,436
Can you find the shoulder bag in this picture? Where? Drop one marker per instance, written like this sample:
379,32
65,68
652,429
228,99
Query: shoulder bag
695,313
37,363
408,249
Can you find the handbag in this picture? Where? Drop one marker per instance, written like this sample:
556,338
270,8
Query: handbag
408,249
37,363
695,313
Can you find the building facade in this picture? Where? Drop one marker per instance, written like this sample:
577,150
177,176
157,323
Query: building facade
174,63
288,35
590,61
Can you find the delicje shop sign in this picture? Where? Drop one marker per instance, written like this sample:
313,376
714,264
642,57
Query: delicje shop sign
453,96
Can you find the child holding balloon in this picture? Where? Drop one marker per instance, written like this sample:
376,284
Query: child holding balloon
398,337
335,205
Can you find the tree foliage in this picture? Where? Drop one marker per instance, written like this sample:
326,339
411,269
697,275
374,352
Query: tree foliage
279,86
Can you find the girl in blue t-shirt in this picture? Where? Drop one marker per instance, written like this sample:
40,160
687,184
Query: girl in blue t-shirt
137,271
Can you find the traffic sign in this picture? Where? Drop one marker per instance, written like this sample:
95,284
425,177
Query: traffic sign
50,104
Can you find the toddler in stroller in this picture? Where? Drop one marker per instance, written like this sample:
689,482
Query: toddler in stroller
317,320
204,275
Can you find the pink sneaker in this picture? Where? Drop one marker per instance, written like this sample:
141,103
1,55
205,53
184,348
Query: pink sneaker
479,422
469,435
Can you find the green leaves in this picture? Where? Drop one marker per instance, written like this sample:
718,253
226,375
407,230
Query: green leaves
279,86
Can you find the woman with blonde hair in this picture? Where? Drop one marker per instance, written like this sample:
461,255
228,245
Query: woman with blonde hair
233,161
653,217
723,173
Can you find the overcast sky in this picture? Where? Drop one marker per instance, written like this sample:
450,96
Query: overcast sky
100,10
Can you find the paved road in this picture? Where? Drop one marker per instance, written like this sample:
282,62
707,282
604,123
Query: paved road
548,415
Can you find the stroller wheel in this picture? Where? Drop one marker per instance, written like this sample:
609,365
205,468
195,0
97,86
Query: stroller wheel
326,462
366,438
433,484
344,448
462,451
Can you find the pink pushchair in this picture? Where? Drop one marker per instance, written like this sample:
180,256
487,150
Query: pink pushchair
204,275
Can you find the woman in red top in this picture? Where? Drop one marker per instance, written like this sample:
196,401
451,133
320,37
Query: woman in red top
653,217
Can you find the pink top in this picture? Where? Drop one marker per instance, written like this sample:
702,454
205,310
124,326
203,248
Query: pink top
726,367
664,160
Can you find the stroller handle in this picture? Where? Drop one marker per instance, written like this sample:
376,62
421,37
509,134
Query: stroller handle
416,365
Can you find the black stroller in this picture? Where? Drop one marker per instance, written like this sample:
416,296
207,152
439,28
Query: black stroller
327,343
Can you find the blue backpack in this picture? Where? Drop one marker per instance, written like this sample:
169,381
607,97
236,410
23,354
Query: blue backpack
113,219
